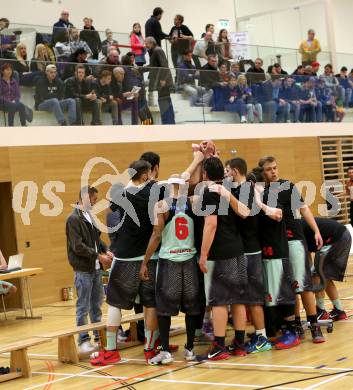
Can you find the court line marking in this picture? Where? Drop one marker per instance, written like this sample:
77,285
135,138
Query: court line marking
176,381
62,379
314,386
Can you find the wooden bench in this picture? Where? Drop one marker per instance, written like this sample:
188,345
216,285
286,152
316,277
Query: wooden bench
67,348
19,363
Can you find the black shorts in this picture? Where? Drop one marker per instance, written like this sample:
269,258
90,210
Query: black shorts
278,282
125,284
226,281
255,292
336,258
177,287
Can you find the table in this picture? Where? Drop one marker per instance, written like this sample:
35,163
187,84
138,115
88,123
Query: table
23,275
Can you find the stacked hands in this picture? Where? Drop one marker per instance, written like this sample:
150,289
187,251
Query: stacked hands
106,259
207,148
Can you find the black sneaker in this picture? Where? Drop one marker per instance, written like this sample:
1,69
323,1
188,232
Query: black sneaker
217,353
317,334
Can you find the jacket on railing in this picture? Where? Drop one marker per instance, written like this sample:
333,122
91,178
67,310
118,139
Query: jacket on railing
76,89
158,69
9,91
48,90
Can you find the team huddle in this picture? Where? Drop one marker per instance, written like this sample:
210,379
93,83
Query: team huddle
220,245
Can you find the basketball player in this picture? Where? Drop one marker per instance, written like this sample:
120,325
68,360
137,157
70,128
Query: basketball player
349,191
288,196
236,169
177,283
223,262
334,254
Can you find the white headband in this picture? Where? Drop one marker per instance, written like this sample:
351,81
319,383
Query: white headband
176,180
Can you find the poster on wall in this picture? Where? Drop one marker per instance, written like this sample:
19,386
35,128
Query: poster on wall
240,48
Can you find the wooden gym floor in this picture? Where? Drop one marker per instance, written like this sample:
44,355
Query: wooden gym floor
308,366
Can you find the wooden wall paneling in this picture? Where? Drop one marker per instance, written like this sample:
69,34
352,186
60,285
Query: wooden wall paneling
5,173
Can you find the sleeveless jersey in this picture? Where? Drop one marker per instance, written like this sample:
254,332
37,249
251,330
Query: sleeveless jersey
177,243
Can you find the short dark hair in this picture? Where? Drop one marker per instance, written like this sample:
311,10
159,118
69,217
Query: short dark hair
157,11
187,51
80,66
208,25
214,168
180,17
328,66
266,159
7,22
239,164
87,190
151,157
256,175
105,73
140,167
79,51
349,169
344,69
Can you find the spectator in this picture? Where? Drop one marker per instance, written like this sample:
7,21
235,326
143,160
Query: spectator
22,67
311,108
290,92
137,44
223,47
299,74
279,69
330,79
87,255
309,48
315,67
80,89
235,69
78,57
10,97
187,77
234,100
72,44
91,36
181,38
103,90
41,59
160,79
111,60
209,79
253,108
6,288
204,48
49,96
326,97
346,84
224,72
153,27
62,24
256,74
7,41
124,98
109,42
209,28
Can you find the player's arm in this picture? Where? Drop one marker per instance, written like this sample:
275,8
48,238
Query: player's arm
209,231
272,212
238,207
193,171
310,220
153,244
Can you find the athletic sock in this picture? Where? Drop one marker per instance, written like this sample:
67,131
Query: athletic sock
164,328
111,341
320,303
261,332
150,338
239,336
219,340
337,304
198,332
290,325
312,319
190,323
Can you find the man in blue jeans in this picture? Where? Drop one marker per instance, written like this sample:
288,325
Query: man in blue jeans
49,96
87,255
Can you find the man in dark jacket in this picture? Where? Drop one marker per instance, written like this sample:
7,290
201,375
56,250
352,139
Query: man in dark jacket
80,89
91,36
49,96
161,80
87,256
78,57
256,74
62,24
153,27
210,80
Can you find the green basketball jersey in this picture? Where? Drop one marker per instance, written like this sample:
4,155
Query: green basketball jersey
178,234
